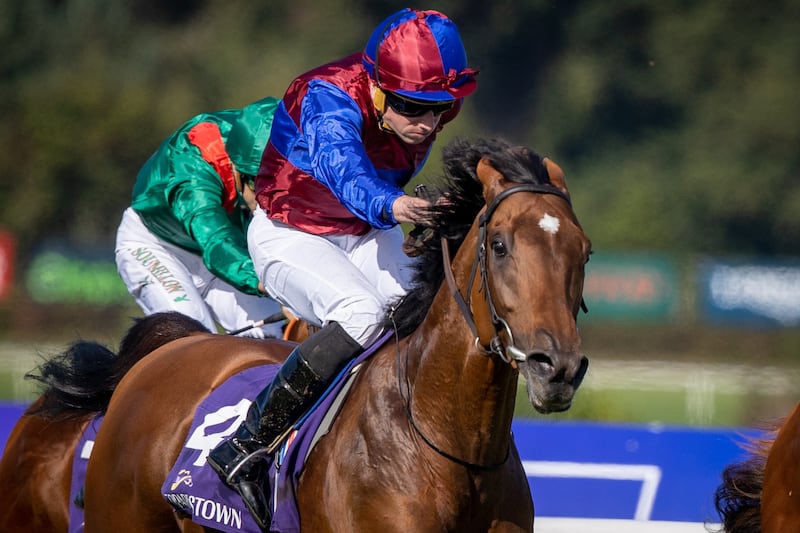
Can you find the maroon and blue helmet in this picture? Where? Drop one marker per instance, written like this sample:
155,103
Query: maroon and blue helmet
419,55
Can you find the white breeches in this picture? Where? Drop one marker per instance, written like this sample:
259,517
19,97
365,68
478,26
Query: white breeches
347,279
164,277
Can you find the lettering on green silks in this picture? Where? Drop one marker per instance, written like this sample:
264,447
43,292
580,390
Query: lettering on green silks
159,271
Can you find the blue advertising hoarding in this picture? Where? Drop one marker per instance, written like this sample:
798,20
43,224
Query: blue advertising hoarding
758,293
592,470
9,413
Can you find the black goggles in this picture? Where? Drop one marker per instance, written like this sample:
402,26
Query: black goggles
415,108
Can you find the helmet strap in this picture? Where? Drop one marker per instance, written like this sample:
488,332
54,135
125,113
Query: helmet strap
379,101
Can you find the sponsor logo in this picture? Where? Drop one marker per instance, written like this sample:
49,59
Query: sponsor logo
180,501
184,478
160,272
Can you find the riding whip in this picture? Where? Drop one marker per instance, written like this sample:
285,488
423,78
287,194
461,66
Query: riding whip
271,319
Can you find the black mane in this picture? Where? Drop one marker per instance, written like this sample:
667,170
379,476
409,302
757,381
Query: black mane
453,218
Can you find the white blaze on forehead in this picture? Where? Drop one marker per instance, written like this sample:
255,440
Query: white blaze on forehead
549,224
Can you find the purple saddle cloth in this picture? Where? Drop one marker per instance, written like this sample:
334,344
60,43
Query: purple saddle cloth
194,488
79,463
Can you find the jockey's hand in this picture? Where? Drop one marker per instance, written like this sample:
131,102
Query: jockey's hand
411,209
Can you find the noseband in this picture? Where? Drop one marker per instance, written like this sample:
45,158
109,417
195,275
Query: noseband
511,353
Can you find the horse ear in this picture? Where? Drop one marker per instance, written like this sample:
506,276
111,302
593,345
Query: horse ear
556,175
491,179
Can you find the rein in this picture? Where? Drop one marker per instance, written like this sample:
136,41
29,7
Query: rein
510,354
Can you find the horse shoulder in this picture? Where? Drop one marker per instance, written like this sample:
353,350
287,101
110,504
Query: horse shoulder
345,475
373,468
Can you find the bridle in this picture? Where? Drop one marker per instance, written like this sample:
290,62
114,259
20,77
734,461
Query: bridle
509,353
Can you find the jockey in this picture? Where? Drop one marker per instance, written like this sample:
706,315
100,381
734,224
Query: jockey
181,245
326,241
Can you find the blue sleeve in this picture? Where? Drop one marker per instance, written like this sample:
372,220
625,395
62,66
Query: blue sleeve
331,122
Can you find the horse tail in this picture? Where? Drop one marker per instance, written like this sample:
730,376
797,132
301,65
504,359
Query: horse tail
80,381
738,498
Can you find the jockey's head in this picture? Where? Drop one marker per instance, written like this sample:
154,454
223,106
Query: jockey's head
416,60
249,134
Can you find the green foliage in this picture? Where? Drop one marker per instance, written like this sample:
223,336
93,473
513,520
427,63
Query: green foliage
674,121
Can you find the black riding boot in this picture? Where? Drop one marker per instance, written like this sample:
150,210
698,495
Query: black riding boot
300,381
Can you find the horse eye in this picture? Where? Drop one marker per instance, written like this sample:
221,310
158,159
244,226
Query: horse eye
499,248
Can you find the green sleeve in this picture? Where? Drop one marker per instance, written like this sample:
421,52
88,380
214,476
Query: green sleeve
195,197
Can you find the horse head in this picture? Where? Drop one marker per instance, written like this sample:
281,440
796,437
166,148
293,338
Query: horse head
530,258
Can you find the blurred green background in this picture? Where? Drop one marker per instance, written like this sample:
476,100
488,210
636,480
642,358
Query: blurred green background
676,123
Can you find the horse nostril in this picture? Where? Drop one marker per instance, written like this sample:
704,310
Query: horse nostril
543,360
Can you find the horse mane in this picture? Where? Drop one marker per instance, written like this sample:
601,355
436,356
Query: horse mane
452,218
738,497
80,380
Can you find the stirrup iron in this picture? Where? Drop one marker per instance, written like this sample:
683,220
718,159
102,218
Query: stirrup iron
229,479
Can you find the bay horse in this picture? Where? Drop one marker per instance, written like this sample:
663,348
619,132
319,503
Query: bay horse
423,440
761,494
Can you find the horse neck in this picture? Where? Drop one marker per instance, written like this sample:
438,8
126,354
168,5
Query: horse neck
460,398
